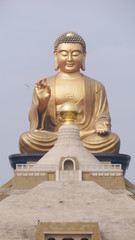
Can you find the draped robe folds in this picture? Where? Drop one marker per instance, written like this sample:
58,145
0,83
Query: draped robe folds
43,128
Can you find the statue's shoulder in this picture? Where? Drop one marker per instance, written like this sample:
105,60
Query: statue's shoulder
51,80
94,83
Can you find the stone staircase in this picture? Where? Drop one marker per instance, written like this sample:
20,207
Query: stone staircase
69,176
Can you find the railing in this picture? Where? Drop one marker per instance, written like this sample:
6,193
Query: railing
44,167
35,167
102,167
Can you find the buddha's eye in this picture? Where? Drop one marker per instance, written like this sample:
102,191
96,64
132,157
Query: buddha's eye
76,53
64,53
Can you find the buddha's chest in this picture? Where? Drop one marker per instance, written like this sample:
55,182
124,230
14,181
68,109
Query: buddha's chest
69,90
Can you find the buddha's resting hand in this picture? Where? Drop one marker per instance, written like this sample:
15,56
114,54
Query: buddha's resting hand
43,93
103,128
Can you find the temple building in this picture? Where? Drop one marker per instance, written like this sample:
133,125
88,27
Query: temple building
67,194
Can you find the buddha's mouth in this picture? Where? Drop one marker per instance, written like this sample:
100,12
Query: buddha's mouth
70,64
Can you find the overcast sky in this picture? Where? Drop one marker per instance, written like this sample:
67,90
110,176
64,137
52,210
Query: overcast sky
28,29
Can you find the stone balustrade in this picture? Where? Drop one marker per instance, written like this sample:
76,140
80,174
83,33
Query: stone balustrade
35,167
102,167
42,169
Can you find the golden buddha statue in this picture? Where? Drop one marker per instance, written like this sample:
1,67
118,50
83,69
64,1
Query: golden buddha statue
69,84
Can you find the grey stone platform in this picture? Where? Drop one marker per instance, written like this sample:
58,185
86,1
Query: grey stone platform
68,202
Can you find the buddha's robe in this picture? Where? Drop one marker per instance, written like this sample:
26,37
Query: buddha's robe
93,111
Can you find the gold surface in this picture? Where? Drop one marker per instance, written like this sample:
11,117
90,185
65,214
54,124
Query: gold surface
69,85
69,112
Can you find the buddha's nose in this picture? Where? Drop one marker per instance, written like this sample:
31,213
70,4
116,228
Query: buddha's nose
69,56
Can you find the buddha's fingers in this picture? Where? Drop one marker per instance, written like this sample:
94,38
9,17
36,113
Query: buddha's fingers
48,89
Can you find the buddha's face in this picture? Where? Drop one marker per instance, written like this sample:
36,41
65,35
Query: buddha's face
70,57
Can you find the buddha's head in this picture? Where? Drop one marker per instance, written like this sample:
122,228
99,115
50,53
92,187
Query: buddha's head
69,52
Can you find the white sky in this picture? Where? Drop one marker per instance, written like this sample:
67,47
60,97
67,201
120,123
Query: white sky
28,29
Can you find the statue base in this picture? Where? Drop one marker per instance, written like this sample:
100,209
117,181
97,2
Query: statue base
122,159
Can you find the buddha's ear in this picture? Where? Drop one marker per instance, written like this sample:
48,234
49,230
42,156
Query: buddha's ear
83,61
56,66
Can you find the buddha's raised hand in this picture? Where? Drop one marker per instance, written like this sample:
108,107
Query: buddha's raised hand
43,93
